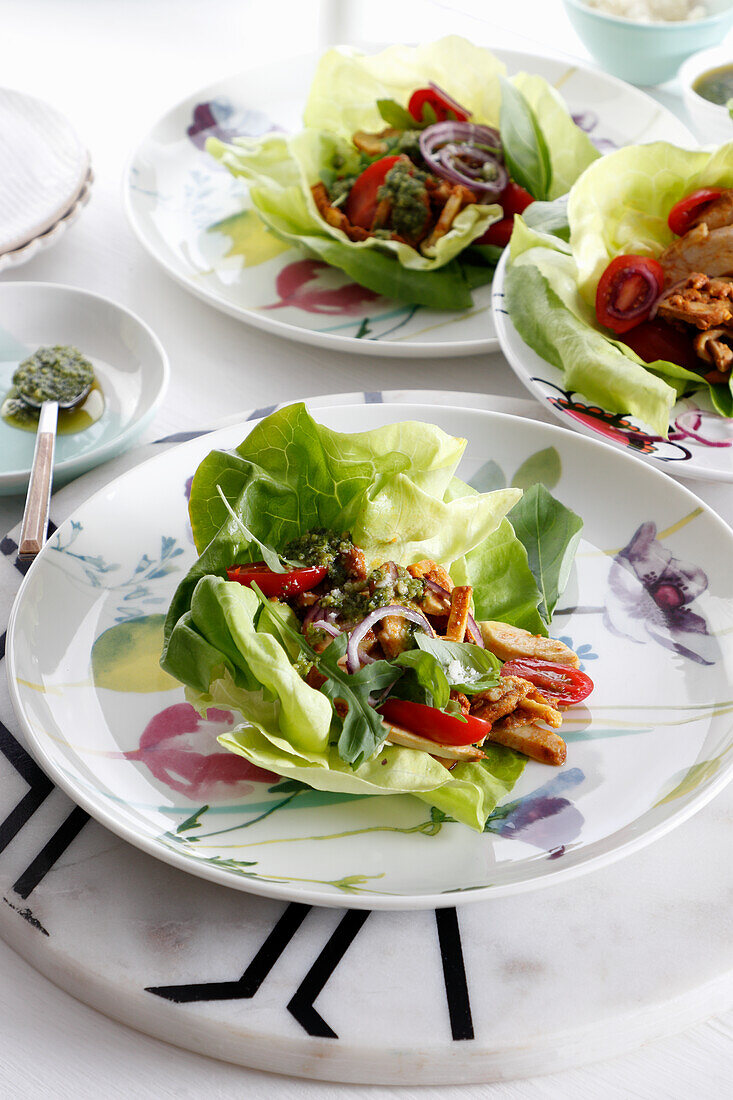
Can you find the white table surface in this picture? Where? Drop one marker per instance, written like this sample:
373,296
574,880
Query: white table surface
113,67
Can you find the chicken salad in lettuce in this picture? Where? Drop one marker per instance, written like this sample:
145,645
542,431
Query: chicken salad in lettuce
379,625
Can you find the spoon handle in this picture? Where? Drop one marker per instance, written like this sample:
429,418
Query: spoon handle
38,500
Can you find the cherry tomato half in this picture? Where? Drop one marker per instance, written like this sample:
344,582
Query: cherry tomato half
627,290
652,340
684,212
443,106
562,683
434,724
499,233
362,200
514,200
277,584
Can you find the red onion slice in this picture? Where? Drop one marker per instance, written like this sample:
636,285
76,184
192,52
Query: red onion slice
353,662
459,151
472,628
450,101
688,425
326,627
665,294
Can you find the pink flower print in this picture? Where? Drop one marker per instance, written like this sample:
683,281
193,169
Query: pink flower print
179,748
316,287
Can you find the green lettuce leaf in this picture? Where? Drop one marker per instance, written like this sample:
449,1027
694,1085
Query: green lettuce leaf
550,534
394,489
542,299
619,205
350,92
570,149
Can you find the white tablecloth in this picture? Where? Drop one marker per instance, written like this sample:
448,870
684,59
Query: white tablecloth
113,67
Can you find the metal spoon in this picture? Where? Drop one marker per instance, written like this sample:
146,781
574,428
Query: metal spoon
38,499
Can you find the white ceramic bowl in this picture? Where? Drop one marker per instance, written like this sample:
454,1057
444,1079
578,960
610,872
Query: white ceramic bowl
711,120
129,361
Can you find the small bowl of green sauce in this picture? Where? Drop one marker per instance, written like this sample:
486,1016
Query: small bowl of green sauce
707,87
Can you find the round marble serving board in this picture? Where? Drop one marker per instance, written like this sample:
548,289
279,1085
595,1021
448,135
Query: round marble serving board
510,988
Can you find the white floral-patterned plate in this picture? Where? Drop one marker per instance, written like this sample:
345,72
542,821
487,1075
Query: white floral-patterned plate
195,219
700,441
649,609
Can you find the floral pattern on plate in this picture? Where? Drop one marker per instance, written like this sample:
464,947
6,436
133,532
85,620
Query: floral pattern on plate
650,601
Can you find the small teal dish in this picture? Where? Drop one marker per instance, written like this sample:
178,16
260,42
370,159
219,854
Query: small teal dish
647,53
129,362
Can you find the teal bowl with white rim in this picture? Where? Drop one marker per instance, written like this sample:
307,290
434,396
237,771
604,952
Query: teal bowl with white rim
647,53
129,361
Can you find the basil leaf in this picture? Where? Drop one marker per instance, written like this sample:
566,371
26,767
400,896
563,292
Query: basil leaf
467,667
396,116
550,534
525,150
425,680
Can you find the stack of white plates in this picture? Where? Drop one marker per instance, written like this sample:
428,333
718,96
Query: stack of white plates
45,176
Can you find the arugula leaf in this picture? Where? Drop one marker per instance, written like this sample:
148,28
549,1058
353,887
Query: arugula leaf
550,534
525,149
424,682
269,556
361,729
467,667
398,117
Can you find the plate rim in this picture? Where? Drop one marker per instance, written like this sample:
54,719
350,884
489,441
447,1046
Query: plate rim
503,323
330,340
17,479
697,800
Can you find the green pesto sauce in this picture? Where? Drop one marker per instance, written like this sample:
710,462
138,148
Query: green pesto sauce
17,414
404,185
716,85
57,373
355,599
321,547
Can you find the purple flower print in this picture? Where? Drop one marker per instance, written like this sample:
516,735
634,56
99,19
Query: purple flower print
545,818
219,118
649,598
587,121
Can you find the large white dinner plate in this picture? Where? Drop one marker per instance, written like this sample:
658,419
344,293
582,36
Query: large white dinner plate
195,219
706,454
649,608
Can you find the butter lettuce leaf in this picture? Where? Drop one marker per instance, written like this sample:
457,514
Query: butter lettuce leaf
621,204
394,489
344,97
618,206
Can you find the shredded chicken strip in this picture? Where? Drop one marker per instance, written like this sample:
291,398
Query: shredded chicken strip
507,642
717,213
460,607
534,741
698,250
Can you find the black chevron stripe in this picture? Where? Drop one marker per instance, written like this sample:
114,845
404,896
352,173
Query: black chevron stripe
39,867
39,783
254,975
301,1005
454,974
